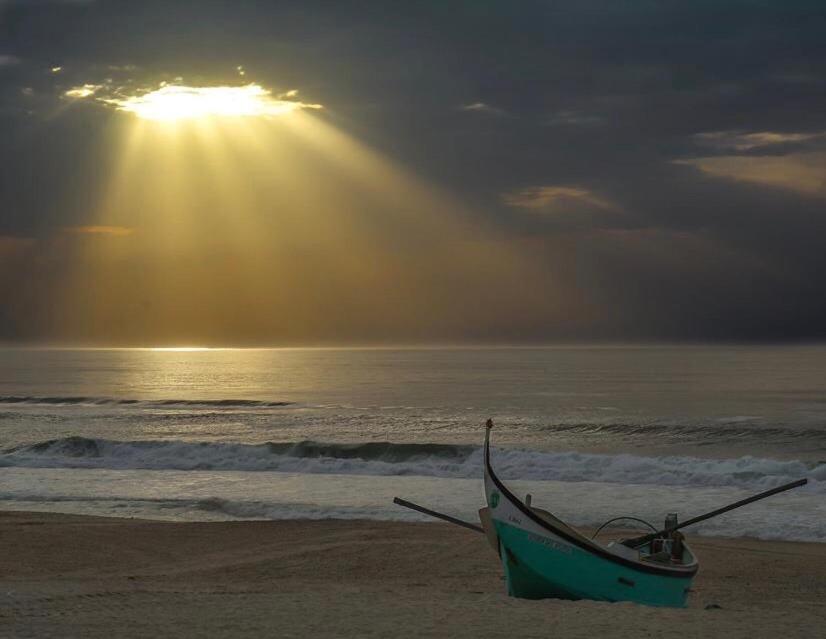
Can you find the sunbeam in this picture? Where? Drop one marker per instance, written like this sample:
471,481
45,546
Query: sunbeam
248,227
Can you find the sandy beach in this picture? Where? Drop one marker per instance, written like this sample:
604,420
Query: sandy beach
73,576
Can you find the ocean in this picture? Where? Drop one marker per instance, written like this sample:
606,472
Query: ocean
592,432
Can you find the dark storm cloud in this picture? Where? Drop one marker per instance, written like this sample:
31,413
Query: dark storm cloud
583,130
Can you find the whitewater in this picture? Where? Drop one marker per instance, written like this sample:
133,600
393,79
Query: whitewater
591,433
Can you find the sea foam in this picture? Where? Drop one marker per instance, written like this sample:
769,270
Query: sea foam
432,460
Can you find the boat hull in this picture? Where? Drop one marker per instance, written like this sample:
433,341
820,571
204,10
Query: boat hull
540,567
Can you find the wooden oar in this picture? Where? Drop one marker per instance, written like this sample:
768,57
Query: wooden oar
640,541
433,513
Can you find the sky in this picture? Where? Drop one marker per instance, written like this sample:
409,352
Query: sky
411,172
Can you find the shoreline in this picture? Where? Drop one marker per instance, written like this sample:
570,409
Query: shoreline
77,575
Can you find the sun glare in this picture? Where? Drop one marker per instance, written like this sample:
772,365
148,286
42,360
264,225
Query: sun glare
180,349
177,102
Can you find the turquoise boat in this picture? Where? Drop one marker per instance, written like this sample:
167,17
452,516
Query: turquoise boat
543,557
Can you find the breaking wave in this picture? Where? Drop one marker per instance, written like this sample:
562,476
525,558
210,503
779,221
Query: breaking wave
720,430
161,403
435,460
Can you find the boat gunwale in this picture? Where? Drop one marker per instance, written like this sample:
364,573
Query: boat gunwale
680,572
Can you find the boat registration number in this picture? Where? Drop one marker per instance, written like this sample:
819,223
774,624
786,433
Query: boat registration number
551,543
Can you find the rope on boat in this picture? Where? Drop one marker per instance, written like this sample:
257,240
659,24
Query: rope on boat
610,521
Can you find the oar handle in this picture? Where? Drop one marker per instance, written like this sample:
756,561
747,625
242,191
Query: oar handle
640,541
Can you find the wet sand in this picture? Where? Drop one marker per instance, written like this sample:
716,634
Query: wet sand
73,576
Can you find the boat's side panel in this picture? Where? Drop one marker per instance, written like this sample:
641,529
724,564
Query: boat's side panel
538,566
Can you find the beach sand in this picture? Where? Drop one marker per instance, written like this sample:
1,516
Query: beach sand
73,576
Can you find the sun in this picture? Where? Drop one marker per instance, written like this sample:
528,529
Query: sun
175,102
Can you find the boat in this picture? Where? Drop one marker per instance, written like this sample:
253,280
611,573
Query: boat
543,557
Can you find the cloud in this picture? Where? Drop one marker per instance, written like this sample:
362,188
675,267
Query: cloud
481,107
114,231
740,87
553,199
8,60
83,91
743,141
574,118
802,173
